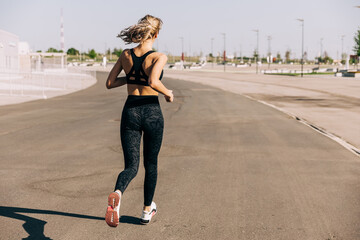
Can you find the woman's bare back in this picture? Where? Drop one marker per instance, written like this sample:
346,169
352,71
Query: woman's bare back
127,63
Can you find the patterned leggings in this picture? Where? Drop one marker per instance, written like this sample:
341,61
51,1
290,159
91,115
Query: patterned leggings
141,114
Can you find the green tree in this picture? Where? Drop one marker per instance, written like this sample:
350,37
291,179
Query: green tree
52,50
357,43
278,57
327,59
92,54
117,52
287,55
72,51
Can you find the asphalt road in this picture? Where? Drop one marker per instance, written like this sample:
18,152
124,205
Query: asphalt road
229,168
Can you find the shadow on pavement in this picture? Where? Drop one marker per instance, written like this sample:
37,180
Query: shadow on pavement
35,227
130,220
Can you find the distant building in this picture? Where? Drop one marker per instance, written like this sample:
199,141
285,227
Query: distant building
9,51
24,48
24,57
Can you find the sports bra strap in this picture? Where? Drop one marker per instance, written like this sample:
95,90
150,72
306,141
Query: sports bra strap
137,70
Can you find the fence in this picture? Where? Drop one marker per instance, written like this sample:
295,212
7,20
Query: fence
48,83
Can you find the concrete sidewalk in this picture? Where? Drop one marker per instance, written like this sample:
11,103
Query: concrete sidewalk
331,103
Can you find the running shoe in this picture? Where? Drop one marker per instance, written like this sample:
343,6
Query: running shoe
112,212
146,216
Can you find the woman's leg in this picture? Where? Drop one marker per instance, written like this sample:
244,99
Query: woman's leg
130,140
153,134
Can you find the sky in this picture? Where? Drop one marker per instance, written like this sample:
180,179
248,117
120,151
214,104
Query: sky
95,24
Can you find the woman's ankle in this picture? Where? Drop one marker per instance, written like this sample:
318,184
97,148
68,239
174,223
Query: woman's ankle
147,208
119,192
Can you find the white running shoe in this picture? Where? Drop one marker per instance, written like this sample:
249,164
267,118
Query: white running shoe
112,211
146,216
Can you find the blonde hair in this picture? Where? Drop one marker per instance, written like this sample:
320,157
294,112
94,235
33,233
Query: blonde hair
146,28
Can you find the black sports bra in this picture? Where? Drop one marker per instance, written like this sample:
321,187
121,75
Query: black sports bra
137,70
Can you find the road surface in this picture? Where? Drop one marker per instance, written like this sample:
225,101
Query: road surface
229,168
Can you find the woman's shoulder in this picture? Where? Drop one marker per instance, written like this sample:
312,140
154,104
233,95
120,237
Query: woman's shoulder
158,55
126,52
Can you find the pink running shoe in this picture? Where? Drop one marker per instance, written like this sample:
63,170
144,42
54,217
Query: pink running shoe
112,212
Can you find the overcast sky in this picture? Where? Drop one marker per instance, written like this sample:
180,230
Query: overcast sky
95,24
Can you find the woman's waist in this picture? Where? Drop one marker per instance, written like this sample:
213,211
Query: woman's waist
138,100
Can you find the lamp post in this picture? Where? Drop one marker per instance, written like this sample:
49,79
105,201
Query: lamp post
212,54
241,58
321,46
342,46
224,50
257,49
182,51
302,46
269,50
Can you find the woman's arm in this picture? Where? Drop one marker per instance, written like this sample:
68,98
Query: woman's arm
113,80
154,81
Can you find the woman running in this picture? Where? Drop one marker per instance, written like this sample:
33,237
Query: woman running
141,114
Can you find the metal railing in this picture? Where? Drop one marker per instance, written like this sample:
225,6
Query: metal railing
44,84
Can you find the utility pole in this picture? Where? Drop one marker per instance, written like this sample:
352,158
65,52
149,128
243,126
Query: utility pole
212,54
257,49
62,39
302,46
224,34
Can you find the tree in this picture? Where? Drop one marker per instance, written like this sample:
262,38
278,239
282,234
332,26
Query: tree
326,58
256,56
287,55
92,54
357,43
117,52
278,57
52,50
72,51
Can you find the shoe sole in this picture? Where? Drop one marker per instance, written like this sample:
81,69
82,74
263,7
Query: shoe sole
145,222
111,216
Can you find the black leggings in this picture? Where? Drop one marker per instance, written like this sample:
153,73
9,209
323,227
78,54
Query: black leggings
141,114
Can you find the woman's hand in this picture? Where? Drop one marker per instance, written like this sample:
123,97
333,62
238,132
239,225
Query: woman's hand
170,96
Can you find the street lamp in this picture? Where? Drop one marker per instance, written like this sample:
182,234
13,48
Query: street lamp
321,46
257,49
302,46
182,51
269,50
342,47
224,50
212,54
182,48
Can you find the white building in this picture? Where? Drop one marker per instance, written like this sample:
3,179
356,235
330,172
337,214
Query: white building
9,51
